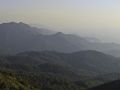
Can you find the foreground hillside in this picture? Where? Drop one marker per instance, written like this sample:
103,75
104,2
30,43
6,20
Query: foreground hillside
8,81
29,81
57,71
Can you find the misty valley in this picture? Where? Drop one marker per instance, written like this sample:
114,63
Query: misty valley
40,59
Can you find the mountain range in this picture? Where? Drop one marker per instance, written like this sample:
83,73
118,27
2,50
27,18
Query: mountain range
39,59
20,37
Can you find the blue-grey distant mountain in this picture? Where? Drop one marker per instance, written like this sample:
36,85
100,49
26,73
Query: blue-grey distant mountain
19,37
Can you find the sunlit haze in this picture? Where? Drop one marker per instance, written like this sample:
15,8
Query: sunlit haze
97,18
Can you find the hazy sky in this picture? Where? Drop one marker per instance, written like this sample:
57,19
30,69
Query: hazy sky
90,17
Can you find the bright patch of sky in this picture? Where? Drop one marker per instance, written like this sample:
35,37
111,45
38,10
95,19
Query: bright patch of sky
87,17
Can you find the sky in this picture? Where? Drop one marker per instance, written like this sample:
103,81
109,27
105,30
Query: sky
97,18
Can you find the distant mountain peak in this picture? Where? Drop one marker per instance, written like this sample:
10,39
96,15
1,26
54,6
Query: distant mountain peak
23,24
59,33
15,24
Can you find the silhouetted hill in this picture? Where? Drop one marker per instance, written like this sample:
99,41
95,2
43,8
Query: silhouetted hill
115,85
108,77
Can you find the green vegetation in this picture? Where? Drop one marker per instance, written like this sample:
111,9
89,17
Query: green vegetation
20,81
55,71
10,82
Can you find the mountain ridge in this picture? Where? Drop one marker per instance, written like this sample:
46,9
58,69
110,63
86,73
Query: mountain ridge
20,37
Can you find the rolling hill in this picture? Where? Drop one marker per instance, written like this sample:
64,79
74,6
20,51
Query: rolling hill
88,62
